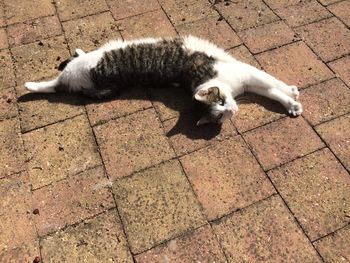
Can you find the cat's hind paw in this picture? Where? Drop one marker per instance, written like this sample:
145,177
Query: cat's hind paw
32,86
295,108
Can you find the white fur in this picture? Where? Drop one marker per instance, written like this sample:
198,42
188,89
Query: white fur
234,77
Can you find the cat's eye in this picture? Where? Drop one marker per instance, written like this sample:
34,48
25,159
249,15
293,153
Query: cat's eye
222,102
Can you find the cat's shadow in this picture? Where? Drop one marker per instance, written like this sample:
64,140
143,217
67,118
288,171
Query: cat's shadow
174,99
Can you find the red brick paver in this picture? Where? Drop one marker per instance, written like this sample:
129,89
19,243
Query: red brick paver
132,179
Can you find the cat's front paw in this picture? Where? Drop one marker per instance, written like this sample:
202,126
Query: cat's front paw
295,108
294,92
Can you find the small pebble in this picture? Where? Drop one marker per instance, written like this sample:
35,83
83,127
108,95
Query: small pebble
37,259
36,211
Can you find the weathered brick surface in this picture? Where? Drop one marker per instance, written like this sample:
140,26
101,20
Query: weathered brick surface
200,245
303,13
11,151
294,64
264,232
148,219
60,150
98,239
8,101
3,38
270,36
132,179
180,12
317,35
336,134
214,29
334,248
186,137
282,141
220,182
70,9
89,195
20,11
123,9
321,102
316,189
33,30
246,14
7,77
36,110
138,135
342,11
128,102
91,32
342,68
18,238
152,24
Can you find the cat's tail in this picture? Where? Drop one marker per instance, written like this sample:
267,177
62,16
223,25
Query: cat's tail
43,87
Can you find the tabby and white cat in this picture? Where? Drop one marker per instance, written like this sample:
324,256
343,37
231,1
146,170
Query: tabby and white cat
214,77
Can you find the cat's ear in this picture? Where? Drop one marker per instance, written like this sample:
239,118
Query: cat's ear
207,95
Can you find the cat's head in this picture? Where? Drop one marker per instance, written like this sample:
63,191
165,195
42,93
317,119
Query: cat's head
218,98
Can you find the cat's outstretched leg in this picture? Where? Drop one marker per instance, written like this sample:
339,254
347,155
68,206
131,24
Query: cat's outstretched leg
264,84
43,87
79,52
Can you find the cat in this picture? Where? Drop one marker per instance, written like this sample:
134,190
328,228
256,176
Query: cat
212,75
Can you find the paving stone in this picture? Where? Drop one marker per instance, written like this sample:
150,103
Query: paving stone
342,11
327,2
316,189
8,107
185,11
91,32
89,196
325,101
294,64
316,35
200,245
7,77
186,137
152,24
172,101
336,135
123,9
264,232
270,36
2,16
255,111
221,183
160,196
127,103
33,30
275,4
214,29
19,11
40,59
241,53
342,68
100,239
18,238
3,38
334,248
282,141
11,150
303,13
71,9
60,150
38,110
132,143
246,14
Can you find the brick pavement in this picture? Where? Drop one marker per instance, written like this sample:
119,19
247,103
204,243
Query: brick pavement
131,180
